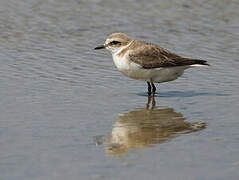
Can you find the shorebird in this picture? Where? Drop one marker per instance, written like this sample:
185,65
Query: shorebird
145,61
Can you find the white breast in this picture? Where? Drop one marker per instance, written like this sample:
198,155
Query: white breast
121,63
131,69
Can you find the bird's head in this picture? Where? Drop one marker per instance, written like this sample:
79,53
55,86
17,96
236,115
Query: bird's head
115,42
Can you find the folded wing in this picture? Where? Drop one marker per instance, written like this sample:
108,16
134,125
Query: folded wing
150,56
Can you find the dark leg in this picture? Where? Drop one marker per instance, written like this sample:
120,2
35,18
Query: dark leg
154,88
149,88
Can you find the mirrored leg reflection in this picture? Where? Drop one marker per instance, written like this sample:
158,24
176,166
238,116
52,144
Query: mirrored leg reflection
151,99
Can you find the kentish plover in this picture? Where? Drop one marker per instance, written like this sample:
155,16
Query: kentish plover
145,61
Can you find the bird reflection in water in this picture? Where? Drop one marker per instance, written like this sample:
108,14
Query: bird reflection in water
142,128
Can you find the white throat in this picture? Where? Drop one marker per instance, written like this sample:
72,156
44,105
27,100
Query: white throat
121,62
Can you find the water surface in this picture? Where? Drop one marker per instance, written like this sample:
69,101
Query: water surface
64,106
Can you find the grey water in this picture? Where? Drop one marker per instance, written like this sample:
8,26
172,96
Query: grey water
67,113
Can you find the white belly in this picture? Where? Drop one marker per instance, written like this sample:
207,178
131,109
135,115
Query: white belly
158,75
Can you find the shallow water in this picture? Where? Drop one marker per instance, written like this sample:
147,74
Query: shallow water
67,113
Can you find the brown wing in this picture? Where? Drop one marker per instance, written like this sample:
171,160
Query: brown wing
150,56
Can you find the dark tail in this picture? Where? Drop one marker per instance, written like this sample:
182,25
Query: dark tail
201,62
195,62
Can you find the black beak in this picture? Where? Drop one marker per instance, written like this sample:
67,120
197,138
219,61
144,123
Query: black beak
100,47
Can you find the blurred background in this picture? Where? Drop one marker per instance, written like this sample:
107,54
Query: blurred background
67,113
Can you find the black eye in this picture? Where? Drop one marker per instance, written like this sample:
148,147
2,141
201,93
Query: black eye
114,42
